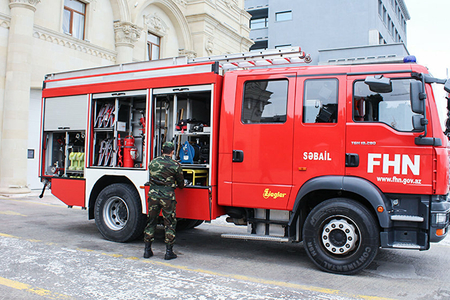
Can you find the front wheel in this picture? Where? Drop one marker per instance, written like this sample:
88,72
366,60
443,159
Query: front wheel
341,236
118,213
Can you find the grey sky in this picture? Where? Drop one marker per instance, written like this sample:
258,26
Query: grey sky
429,40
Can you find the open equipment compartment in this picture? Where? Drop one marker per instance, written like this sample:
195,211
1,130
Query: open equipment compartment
182,115
119,129
63,147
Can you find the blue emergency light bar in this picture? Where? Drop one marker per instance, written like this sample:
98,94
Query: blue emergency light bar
409,59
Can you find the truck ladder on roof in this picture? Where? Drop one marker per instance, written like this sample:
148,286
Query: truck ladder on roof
263,58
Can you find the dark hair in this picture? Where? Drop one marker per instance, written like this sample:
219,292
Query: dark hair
167,150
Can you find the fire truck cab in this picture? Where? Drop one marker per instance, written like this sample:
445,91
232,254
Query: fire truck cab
347,159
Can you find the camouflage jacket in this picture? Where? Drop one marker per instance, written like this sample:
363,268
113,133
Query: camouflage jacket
165,173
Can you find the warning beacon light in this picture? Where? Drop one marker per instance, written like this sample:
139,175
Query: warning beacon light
409,59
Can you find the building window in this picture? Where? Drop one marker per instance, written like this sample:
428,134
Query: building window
320,103
258,23
259,45
283,16
286,46
260,18
153,46
381,39
265,101
74,18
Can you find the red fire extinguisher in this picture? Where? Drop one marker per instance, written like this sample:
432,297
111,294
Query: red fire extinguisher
129,152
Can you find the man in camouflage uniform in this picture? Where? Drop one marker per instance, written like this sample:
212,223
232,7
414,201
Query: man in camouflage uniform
165,175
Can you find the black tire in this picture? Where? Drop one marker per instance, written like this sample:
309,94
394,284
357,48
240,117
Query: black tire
341,236
184,224
198,223
118,213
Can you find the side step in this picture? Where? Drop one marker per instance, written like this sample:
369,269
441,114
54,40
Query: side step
407,218
255,237
405,239
407,246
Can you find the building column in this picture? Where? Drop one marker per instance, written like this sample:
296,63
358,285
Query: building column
14,131
126,34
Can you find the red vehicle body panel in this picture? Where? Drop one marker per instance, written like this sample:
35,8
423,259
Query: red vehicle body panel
70,191
195,203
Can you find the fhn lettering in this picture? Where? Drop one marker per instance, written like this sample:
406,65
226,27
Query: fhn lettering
401,163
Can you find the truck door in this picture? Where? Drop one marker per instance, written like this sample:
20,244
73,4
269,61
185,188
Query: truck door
319,129
262,145
380,136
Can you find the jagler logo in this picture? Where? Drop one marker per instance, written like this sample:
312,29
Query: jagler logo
268,194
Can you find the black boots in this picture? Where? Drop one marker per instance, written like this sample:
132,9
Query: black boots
149,253
169,253
148,250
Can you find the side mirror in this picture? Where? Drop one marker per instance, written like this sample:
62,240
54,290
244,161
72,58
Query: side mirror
379,84
447,86
418,123
417,97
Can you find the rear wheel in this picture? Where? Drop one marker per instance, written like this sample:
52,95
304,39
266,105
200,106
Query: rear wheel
341,236
118,213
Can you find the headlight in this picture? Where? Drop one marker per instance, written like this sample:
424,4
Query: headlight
441,219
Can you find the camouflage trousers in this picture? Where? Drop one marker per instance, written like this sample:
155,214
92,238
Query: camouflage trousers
168,207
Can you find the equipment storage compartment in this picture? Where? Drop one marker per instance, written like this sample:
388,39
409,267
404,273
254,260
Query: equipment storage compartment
119,129
63,148
64,153
183,116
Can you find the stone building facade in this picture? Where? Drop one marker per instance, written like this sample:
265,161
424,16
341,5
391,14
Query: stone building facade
39,37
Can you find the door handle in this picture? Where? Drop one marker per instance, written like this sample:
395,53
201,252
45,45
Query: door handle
238,156
351,160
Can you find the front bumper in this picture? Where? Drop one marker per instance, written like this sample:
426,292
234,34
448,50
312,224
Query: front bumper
440,215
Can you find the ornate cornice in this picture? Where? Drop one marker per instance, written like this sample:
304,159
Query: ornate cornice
75,44
126,33
30,4
64,40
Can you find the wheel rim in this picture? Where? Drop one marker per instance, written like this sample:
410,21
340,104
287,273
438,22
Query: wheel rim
340,236
115,213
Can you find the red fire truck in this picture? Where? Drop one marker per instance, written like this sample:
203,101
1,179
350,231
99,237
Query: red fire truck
347,159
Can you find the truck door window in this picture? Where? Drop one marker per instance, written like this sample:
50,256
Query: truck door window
265,101
393,109
320,102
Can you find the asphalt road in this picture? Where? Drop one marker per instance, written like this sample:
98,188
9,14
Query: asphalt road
48,251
